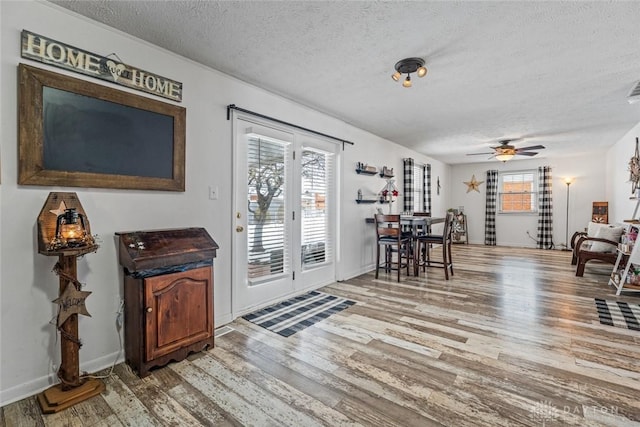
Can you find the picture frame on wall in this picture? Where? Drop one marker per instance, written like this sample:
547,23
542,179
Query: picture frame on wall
75,133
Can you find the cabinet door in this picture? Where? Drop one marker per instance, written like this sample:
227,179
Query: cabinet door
179,310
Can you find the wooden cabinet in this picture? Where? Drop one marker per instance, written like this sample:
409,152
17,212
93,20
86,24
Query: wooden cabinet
168,295
179,311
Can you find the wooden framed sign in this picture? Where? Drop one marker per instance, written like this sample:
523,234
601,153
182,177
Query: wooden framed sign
48,51
76,133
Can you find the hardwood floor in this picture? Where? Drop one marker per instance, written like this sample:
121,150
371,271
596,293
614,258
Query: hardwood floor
512,339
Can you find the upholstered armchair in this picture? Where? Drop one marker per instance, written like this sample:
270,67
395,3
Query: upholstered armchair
599,243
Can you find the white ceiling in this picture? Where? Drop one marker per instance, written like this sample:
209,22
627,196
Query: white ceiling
552,73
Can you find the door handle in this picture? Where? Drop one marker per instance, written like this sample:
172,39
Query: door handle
239,229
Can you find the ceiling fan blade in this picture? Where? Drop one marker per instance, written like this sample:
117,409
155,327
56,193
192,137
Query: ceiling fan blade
533,147
477,154
526,153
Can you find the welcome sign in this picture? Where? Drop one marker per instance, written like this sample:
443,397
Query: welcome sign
48,51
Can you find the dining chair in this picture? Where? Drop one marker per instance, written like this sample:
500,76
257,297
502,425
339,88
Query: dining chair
422,249
390,237
423,228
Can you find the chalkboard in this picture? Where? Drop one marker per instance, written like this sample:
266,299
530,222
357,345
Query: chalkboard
84,134
75,133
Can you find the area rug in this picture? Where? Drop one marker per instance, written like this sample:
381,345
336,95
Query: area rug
618,313
293,315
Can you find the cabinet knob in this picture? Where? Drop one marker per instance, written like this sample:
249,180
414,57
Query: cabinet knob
149,309
239,229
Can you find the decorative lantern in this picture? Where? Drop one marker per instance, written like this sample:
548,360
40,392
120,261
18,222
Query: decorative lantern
70,230
63,226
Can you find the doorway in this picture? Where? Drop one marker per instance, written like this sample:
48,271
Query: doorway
285,213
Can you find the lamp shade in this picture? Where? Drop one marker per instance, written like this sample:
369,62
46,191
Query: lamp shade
504,157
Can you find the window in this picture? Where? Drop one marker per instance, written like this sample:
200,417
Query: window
418,188
517,192
317,172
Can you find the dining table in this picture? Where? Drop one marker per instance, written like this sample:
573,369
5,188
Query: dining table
416,221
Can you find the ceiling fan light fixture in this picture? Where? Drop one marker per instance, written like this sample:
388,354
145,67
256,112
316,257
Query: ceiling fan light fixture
503,157
408,66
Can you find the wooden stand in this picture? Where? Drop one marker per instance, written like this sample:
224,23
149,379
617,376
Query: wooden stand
72,389
54,399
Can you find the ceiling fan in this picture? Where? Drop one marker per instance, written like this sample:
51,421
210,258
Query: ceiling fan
505,151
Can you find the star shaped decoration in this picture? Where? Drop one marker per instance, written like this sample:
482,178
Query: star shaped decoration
60,209
71,302
473,184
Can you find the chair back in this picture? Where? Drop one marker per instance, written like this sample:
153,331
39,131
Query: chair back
448,227
388,226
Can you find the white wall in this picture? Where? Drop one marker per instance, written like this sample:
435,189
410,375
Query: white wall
361,257
29,342
590,177
618,185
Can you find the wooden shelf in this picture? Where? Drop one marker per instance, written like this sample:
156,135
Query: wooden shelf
366,172
365,201
386,176
618,277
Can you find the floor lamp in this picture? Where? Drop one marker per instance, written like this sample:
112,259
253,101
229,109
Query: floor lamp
567,181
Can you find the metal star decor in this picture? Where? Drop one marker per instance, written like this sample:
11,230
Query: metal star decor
60,209
473,184
71,301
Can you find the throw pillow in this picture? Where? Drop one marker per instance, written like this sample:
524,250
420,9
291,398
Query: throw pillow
593,227
609,233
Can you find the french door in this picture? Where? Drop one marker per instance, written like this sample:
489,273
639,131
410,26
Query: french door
284,213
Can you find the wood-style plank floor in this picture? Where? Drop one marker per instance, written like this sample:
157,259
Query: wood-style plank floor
513,339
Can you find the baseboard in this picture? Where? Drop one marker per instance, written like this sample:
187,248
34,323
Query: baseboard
30,388
359,272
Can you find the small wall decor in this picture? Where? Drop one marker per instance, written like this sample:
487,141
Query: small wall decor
386,172
600,212
52,52
363,168
473,184
438,187
74,133
634,170
388,192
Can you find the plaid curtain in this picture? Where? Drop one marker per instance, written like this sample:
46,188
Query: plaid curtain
490,208
426,189
407,186
545,209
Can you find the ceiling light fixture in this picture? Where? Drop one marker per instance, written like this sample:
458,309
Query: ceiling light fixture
505,153
408,66
504,157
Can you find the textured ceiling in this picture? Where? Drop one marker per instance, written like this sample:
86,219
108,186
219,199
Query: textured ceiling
551,73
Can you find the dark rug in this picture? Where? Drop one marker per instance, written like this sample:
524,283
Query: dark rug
619,314
293,315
